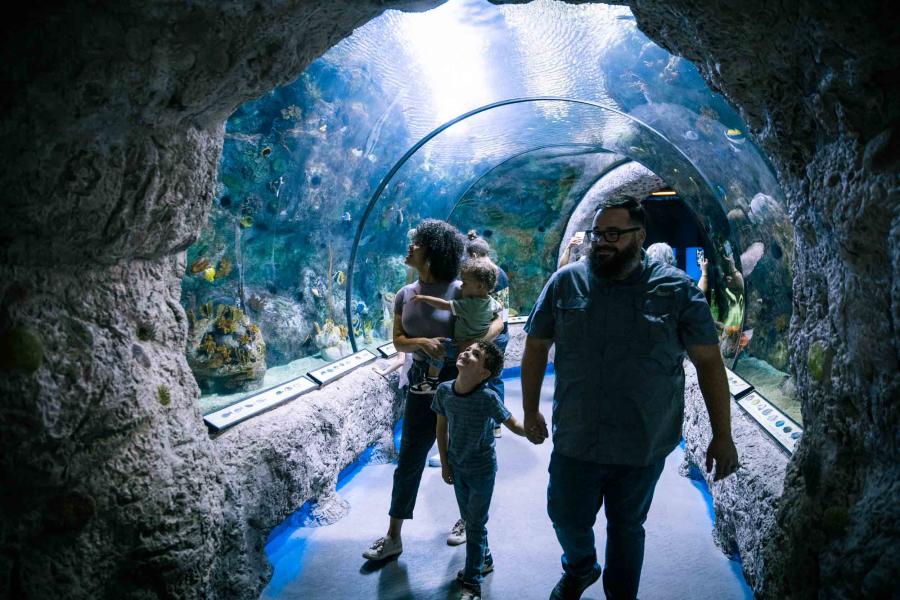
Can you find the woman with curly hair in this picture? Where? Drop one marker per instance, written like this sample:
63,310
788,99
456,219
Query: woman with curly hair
435,253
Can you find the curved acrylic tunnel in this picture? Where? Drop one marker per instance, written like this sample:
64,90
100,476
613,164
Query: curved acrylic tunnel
462,151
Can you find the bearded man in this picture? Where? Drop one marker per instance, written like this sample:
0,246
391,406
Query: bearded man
622,325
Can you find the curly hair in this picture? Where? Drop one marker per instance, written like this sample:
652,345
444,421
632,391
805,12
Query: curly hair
483,270
476,245
493,357
443,248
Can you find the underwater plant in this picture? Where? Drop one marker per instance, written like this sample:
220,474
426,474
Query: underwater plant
224,268
163,395
226,325
199,265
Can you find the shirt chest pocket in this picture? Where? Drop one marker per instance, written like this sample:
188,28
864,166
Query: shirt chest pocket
656,316
572,321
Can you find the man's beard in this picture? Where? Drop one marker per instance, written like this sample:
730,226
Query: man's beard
613,265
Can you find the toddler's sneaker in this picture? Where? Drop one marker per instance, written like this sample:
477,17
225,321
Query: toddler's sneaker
425,387
382,548
469,591
434,461
457,534
488,567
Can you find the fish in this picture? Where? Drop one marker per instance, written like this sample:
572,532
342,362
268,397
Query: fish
361,308
751,256
399,217
210,274
340,277
315,292
735,136
487,233
346,217
246,222
367,239
356,152
323,127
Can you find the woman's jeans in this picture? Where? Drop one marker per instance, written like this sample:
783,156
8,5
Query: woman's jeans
473,495
576,491
417,437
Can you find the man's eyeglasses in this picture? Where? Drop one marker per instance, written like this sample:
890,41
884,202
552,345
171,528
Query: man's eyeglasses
610,235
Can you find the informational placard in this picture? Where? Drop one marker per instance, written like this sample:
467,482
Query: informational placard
517,320
387,350
257,403
781,427
737,385
341,367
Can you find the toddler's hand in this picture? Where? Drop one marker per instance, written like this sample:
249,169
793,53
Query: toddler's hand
446,473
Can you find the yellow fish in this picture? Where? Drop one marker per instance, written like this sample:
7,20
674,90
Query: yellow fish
210,274
341,278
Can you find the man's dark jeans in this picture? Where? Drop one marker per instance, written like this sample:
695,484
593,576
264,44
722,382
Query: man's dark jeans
576,492
417,437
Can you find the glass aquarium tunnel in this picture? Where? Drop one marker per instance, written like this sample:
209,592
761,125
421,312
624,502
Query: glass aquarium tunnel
512,142
544,105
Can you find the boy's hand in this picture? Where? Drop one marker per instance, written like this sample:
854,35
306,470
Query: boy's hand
446,473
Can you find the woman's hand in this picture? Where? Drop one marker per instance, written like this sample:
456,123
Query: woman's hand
433,347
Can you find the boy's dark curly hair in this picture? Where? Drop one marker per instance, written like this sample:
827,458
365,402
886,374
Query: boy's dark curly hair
493,357
443,247
483,270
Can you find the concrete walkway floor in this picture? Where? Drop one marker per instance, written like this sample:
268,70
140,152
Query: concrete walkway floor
681,561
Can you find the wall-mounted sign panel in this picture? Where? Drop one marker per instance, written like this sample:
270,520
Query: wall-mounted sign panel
737,385
517,320
387,350
341,367
257,403
781,427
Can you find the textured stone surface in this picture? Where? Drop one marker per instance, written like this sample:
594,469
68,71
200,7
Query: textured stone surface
745,503
112,129
817,84
276,462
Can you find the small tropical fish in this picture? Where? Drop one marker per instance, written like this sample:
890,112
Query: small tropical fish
323,127
246,222
356,152
340,277
361,308
399,217
346,217
315,292
735,136
210,274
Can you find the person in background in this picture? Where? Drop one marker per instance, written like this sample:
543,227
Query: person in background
467,410
572,248
661,252
435,253
618,403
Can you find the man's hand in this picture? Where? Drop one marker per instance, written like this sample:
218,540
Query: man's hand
722,451
536,428
446,473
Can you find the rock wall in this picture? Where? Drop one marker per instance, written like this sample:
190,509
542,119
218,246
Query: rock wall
112,129
818,85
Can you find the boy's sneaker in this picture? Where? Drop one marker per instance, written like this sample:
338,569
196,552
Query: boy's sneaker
570,587
382,548
425,387
469,591
457,534
498,432
434,461
488,567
